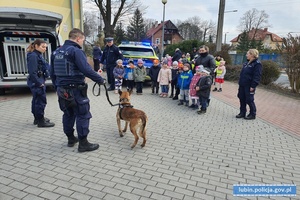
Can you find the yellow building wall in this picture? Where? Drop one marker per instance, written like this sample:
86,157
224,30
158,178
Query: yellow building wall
62,7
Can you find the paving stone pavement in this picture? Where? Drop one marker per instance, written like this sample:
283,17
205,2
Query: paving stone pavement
187,156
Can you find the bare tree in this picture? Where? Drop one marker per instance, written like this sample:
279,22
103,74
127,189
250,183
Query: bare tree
195,29
112,10
290,53
253,19
89,24
209,29
149,23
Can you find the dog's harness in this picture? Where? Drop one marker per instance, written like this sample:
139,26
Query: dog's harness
121,106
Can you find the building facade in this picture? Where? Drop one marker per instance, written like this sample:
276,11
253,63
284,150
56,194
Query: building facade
171,35
269,40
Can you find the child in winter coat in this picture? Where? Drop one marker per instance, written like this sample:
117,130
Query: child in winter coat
184,80
139,75
220,73
129,75
153,73
164,79
193,93
175,73
119,73
169,59
203,90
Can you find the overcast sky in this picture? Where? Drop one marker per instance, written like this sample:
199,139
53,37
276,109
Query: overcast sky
284,15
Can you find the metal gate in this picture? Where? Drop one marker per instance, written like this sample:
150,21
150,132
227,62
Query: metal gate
15,58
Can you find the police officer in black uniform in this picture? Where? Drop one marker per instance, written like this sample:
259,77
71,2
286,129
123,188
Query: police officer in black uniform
38,72
249,79
111,54
69,67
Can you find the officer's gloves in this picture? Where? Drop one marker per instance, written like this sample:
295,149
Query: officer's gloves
103,82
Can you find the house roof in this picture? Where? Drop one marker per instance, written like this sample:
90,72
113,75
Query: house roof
154,29
260,35
168,25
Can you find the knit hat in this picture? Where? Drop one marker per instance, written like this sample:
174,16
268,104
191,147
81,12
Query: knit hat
156,61
180,66
206,71
165,62
175,63
140,61
199,68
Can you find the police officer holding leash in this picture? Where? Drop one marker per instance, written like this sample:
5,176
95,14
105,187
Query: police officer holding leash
111,54
69,67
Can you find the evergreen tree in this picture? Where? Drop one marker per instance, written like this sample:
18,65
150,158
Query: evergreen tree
120,34
244,43
136,28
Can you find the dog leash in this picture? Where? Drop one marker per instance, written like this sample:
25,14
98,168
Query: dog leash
106,93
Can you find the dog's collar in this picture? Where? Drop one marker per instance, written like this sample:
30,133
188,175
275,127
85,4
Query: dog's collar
126,106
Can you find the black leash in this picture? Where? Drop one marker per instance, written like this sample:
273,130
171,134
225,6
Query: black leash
106,93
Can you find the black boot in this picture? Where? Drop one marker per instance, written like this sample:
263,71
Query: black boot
42,123
201,112
72,140
35,122
84,145
215,89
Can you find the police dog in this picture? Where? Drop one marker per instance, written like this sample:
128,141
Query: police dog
136,119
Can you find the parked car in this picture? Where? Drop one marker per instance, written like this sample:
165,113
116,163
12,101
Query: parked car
138,50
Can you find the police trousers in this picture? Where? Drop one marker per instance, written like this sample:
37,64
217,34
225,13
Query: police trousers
110,76
246,98
76,108
39,100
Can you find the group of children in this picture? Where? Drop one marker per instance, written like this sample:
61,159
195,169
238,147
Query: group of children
185,85
131,74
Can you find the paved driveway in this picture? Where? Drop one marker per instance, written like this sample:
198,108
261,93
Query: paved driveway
187,156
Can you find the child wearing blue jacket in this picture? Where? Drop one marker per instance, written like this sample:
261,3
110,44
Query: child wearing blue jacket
184,80
129,75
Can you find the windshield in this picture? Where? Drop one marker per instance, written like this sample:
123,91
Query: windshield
134,51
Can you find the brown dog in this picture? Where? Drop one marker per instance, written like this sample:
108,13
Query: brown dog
137,119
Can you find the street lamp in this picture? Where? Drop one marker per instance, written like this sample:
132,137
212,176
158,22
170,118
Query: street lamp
163,29
227,11
225,37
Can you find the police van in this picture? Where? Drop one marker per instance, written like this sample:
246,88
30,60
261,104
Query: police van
18,28
138,50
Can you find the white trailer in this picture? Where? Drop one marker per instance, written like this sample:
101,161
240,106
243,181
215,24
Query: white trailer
19,27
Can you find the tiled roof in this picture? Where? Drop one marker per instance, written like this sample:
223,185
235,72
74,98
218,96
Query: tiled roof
153,30
260,35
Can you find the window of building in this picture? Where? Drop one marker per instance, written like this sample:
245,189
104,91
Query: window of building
157,41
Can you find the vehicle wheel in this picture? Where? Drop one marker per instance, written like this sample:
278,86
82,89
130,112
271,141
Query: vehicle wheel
2,91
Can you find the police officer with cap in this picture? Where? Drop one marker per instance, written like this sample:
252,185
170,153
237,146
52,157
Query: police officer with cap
69,67
111,54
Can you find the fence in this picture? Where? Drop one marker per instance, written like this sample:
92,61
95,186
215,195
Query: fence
238,59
